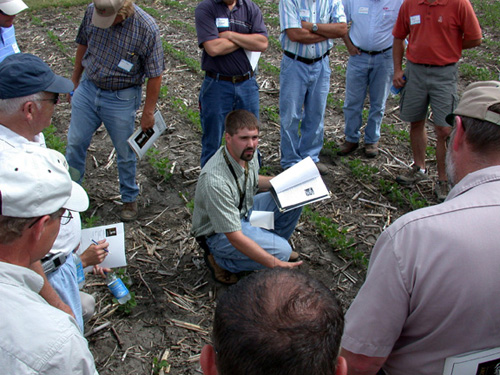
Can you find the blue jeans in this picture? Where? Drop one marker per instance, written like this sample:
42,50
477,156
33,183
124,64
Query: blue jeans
275,242
63,280
303,93
372,73
217,99
91,106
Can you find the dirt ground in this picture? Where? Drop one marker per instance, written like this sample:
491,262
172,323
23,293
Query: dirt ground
174,292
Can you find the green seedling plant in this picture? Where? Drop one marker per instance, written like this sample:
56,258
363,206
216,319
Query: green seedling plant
128,306
161,165
401,196
269,68
159,365
90,221
191,115
360,169
53,141
273,113
401,135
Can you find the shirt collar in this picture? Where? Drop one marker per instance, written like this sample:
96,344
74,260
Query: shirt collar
435,3
474,179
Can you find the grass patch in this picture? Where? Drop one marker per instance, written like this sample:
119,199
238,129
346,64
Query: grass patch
53,141
193,64
473,73
183,25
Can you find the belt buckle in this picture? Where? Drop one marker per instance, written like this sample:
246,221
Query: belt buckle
234,79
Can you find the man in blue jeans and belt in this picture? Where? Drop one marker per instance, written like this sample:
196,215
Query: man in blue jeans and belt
307,32
118,46
370,68
228,31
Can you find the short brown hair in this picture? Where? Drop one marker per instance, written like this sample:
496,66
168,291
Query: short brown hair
240,119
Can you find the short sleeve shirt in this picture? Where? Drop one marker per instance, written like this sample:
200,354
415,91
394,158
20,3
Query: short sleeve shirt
213,17
217,196
8,43
122,55
431,290
435,31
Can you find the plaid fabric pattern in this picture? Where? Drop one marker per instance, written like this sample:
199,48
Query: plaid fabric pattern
122,55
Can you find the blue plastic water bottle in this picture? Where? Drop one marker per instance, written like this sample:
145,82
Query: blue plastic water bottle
394,90
117,287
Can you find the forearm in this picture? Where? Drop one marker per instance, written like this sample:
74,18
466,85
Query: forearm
304,36
398,50
328,30
251,42
264,183
251,249
48,293
78,68
358,364
220,47
466,44
353,50
152,93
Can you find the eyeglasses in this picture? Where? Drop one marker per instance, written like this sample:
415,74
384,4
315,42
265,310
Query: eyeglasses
65,219
54,100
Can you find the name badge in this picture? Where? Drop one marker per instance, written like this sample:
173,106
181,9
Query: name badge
305,13
15,47
363,10
222,22
415,20
125,65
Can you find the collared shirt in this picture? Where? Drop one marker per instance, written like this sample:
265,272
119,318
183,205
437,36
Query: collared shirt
372,22
8,43
213,17
431,290
37,338
122,55
436,31
293,12
217,196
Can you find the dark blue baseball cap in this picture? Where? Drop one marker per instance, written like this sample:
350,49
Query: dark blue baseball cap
25,74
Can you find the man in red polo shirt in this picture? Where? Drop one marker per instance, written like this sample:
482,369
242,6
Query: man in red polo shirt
437,31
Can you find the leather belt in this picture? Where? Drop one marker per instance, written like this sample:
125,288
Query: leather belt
435,66
374,52
303,59
233,79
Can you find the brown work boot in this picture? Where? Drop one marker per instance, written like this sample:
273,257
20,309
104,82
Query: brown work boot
323,169
218,273
347,148
412,176
371,150
294,256
129,211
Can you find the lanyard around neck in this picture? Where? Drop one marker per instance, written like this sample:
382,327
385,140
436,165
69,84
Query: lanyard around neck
242,192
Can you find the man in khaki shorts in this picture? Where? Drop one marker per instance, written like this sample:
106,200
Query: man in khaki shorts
437,31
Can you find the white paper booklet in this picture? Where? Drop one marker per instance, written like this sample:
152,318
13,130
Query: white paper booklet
112,233
141,140
298,185
482,362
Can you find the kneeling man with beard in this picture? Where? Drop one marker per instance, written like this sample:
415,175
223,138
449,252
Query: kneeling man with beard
226,195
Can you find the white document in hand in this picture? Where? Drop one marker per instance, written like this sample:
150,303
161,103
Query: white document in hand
298,185
114,234
140,141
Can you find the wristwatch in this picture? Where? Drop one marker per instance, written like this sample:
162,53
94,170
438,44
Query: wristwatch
314,28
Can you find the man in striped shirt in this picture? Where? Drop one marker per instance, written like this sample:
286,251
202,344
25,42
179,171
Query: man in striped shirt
8,11
307,31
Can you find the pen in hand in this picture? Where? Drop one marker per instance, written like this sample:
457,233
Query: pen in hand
96,243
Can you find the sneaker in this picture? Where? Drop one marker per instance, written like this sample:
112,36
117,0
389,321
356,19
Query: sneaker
347,148
294,256
441,190
129,211
218,273
413,176
371,150
323,169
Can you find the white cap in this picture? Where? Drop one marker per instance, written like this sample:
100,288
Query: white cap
12,7
34,181
105,12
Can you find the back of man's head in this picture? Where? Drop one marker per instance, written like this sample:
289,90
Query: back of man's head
479,110
239,119
277,321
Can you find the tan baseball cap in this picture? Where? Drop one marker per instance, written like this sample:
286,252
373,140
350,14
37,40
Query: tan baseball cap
475,101
105,12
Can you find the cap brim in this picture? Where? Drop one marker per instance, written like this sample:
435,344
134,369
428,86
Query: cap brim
60,85
79,200
103,22
13,7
